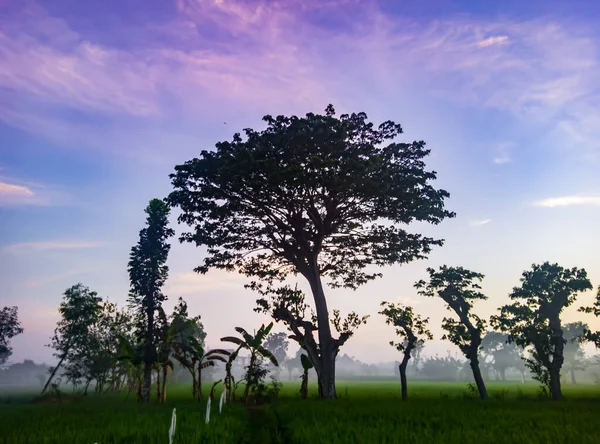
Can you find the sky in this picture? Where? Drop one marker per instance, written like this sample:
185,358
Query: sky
100,100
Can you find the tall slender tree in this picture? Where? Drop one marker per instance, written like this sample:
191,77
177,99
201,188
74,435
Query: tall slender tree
413,331
9,328
147,273
533,319
319,196
459,289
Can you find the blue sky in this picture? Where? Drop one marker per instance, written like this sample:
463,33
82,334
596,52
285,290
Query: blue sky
98,103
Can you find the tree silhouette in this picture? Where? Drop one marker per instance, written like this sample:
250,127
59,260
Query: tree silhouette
319,196
9,328
277,344
413,331
458,288
589,335
533,319
147,273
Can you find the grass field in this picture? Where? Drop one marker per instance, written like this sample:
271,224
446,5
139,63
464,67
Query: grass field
367,412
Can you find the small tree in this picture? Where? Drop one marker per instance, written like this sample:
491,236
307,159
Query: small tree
534,318
277,343
574,336
148,272
413,331
79,310
254,344
458,288
306,366
9,328
320,196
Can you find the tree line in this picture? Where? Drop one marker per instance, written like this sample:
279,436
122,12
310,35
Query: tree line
328,199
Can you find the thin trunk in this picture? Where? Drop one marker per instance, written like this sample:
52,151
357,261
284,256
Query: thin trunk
326,369
64,356
199,384
478,379
304,385
158,384
247,389
163,396
89,381
149,351
573,380
557,358
402,368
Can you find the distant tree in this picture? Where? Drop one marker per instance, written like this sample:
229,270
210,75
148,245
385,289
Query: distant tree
277,343
589,335
458,288
504,355
254,344
79,310
9,328
574,336
147,273
441,369
411,328
533,319
319,196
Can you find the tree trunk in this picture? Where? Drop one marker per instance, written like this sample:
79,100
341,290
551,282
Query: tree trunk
402,368
158,384
199,383
573,380
304,386
557,358
149,352
54,372
326,369
503,373
163,397
247,389
478,379
146,382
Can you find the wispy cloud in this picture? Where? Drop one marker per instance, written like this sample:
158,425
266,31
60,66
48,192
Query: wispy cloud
502,156
194,283
50,245
566,201
493,41
11,190
479,223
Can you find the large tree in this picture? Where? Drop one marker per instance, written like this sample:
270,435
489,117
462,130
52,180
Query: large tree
459,289
147,273
79,310
533,319
411,328
322,196
9,328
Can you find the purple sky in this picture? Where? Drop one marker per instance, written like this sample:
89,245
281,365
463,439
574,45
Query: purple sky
100,100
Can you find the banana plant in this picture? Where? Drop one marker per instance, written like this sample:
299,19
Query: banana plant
254,344
306,366
134,355
229,381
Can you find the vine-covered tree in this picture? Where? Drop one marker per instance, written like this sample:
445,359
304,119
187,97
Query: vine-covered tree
79,310
459,289
411,328
9,328
147,273
533,319
320,196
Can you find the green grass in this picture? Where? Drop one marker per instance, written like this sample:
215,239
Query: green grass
367,412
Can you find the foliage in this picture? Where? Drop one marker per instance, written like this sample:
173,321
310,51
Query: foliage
589,335
533,319
9,328
411,328
503,354
277,344
318,196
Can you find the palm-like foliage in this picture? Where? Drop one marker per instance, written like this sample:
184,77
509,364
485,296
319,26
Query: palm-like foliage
254,344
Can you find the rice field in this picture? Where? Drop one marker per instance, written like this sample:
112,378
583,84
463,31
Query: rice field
367,412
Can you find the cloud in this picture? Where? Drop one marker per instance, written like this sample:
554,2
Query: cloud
493,41
194,283
7,189
479,223
50,245
566,201
503,156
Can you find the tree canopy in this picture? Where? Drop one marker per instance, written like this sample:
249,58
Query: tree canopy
319,196
9,328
